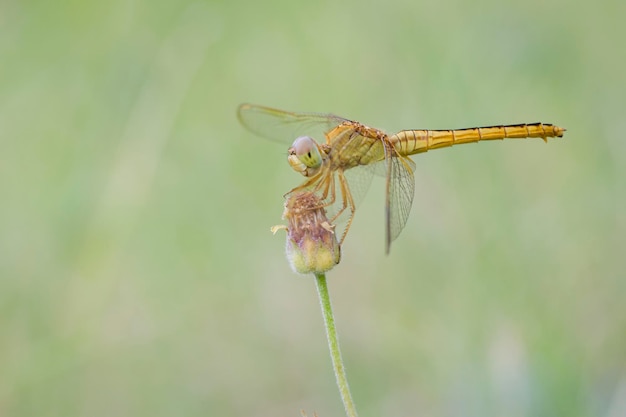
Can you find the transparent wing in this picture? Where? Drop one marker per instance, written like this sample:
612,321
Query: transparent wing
400,190
347,143
358,181
401,193
397,169
398,172
283,126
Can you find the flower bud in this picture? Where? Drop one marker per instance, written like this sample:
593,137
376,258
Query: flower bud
312,245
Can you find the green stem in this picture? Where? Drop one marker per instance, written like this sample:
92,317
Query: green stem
333,345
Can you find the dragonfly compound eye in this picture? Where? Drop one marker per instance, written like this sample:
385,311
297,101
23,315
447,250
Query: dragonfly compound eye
305,148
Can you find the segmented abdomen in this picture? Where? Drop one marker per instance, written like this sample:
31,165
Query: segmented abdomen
409,142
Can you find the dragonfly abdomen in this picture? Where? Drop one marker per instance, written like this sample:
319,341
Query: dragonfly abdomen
409,142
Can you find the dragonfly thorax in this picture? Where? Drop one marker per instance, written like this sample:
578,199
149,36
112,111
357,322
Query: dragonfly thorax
305,156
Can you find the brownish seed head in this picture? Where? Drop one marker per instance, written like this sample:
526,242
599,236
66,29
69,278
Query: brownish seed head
312,245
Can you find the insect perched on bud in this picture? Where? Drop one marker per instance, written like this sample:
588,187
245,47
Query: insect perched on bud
312,245
349,146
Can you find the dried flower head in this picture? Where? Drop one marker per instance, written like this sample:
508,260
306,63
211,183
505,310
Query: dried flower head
312,245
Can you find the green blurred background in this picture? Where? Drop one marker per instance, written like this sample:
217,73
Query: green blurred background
138,276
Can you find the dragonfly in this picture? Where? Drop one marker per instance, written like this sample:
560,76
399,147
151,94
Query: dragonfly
340,166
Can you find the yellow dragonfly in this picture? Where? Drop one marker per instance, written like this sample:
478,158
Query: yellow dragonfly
339,169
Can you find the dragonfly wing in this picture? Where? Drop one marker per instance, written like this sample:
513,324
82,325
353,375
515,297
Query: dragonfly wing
283,126
400,193
359,180
347,144
398,172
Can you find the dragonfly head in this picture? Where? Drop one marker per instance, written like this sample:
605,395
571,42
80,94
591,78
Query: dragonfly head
305,156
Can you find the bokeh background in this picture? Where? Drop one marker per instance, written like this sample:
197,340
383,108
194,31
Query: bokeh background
138,276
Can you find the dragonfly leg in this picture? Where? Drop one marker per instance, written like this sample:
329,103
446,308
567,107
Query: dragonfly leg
315,182
301,187
322,185
328,191
328,183
347,201
334,197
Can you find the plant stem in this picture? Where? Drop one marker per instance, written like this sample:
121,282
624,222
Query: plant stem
333,345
